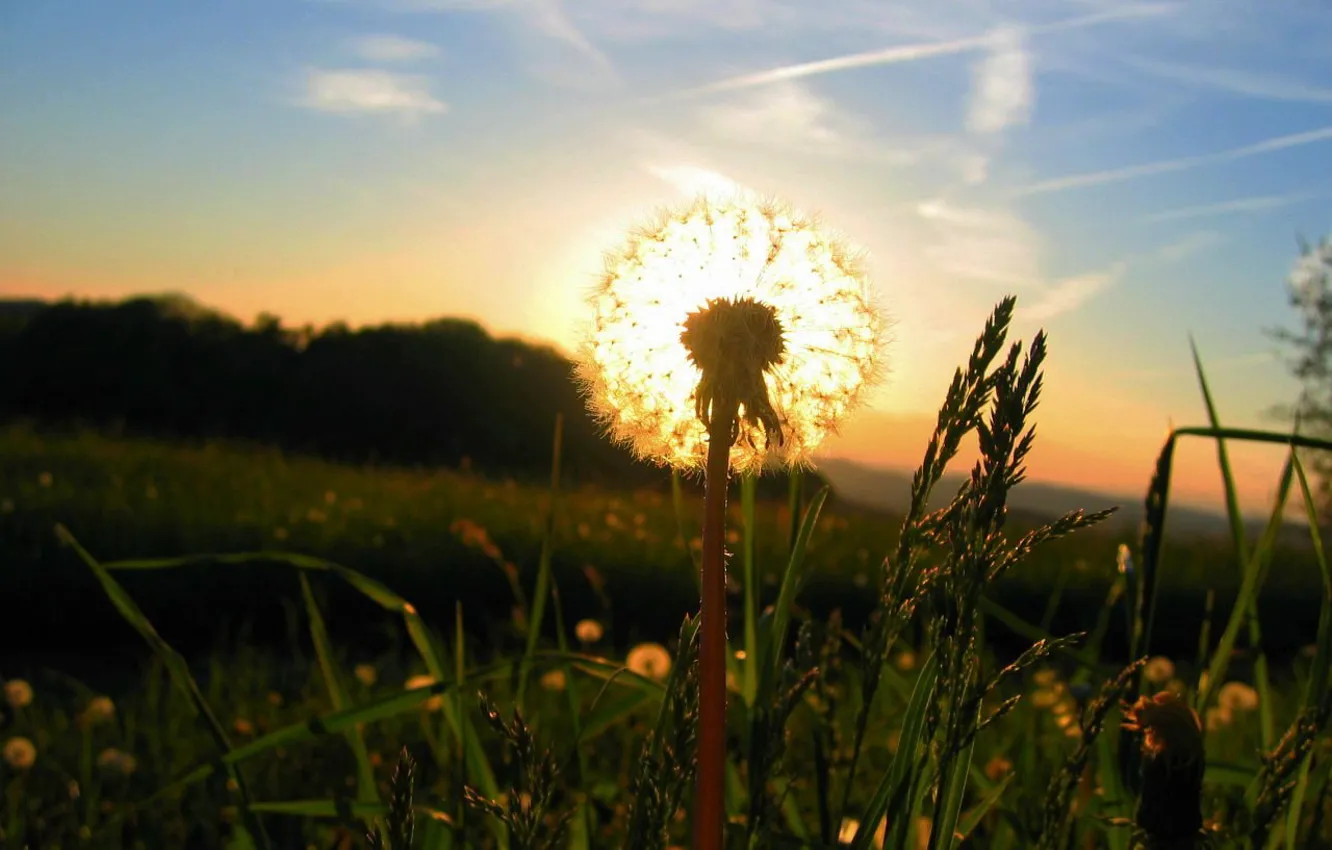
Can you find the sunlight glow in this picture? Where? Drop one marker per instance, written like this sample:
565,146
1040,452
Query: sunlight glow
637,374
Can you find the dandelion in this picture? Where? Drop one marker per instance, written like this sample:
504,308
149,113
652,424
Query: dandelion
19,753
99,710
726,336
1159,670
1044,698
553,680
18,693
1237,696
243,726
436,701
588,631
113,760
850,826
45,480
905,660
650,660
1170,805
366,674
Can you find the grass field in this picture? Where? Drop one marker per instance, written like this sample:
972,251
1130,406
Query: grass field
456,543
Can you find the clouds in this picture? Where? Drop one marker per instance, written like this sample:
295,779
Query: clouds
352,91
384,47
1003,87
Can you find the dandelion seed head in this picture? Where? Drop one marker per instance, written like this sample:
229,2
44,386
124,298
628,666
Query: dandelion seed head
650,660
821,337
1159,670
19,753
1237,696
18,693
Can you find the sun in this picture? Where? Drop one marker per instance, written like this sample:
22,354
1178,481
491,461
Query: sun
638,376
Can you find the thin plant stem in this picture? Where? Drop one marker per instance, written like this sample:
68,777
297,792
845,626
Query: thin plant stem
709,790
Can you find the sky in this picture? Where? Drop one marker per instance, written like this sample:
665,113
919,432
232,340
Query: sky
1136,173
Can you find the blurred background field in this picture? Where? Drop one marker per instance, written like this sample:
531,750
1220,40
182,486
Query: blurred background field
443,536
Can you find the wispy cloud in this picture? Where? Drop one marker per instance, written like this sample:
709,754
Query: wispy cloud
922,50
549,18
385,47
1002,88
1068,294
370,91
1251,204
988,245
1186,246
1166,166
1247,83
693,180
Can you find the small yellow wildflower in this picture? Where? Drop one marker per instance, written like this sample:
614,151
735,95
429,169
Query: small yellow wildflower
113,760
553,680
435,702
1159,670
1237,696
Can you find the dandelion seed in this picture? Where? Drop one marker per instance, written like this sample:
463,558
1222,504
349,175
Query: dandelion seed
19,753
18,693
1237,696
436,701
1159,670
588,632
650,660
366,674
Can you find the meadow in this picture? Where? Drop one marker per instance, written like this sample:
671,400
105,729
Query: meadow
307,621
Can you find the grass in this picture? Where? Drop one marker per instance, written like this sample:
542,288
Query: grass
914,727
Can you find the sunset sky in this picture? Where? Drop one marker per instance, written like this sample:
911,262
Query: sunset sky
1133,172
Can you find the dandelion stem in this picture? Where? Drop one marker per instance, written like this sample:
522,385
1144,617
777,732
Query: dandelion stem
709,791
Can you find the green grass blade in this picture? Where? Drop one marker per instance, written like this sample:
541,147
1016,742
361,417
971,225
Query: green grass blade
897,781
1297,797
175,666
795,492
954,783
542,589
1035,633
366,791
1153,540
968,822
341,809
1261,675
479,768
792,581
749,674
1319,675
1255,574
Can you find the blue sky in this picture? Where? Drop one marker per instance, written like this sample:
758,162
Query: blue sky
1133,172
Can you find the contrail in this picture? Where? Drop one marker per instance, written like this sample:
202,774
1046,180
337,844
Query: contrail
1165,166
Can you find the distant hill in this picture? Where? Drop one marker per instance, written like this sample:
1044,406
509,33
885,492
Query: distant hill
890,490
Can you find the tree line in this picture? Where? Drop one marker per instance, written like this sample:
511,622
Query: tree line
439,393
